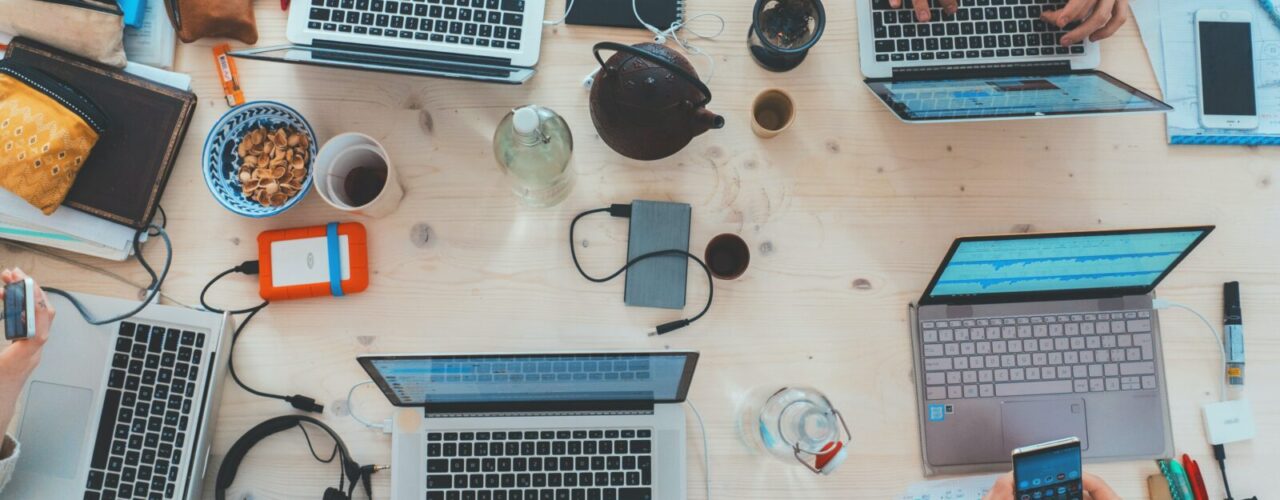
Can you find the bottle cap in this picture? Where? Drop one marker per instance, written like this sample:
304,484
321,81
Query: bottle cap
526,120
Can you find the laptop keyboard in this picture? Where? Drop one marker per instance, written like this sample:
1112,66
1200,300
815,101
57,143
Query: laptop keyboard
1028,355
479,23
147,406
979,29
595,464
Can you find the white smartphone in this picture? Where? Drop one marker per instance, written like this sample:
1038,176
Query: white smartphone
20,310
1224,50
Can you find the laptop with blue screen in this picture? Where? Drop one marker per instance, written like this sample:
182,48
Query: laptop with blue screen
1027,338
965,94
597,425
985,61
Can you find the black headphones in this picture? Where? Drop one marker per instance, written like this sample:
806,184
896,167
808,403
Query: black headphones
351,470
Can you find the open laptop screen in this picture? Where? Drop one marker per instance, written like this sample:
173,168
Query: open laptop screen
989,97
1038,266
532,378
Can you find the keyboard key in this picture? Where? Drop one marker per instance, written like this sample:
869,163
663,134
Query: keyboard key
1139,368
635,494
1033,388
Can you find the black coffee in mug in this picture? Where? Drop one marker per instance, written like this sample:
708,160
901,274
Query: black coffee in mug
364,184
727,256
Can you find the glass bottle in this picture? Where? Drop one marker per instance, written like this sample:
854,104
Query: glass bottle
792,423
533,145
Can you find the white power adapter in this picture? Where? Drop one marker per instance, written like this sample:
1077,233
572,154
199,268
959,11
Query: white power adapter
1229,421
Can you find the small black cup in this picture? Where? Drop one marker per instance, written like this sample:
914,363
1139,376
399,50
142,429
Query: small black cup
727,256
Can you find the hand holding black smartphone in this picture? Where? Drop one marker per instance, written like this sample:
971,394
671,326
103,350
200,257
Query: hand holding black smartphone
20,309
1048,471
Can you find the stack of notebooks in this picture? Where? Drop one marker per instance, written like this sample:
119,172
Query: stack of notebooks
118,190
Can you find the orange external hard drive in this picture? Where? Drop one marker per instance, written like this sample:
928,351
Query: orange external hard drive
332,259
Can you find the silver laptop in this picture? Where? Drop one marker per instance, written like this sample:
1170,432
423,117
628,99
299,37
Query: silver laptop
485,40
992,59
123,410
591,425
1028,338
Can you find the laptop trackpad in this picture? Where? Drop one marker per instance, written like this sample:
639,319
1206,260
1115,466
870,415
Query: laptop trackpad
53,429
1033,422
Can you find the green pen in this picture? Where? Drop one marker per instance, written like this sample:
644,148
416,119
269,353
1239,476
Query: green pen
1176,476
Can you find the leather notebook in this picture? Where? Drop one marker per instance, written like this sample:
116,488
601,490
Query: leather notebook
126,172
618,13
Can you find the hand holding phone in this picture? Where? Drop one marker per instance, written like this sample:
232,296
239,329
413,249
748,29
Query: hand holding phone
19,309
26,310
1094,487
1048,471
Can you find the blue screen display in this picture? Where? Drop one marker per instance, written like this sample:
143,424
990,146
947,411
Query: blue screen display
1053,474
1061,263
496,379
1012,96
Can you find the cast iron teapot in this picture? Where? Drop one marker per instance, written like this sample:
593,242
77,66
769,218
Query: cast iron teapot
647,102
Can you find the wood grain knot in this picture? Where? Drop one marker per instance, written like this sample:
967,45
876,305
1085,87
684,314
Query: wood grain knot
420,234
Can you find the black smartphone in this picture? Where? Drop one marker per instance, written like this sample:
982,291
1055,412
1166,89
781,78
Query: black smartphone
1048,471
19,309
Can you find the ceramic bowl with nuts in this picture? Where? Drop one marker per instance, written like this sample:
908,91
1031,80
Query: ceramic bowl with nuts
258,159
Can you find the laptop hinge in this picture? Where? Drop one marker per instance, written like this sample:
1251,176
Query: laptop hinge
412,53
971,71
543,408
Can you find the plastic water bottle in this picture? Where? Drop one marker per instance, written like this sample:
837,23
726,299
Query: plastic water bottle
533,145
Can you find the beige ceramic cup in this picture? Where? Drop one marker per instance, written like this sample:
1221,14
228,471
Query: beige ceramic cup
342,155
772,112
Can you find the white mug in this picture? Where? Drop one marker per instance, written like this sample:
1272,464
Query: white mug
339,157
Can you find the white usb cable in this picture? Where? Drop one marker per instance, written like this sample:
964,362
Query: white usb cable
386,424
706,449
1222,348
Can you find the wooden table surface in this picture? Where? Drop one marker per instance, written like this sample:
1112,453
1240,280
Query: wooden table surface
847,214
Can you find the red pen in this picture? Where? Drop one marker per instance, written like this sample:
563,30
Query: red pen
284,4
1197,480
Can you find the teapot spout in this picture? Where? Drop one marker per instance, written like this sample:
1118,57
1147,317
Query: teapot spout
705,120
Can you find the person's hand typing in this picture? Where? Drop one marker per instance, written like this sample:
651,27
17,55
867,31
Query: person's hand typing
1094,488
1098,19
20,357
922,8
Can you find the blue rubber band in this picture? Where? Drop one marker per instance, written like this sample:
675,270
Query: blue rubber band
335,260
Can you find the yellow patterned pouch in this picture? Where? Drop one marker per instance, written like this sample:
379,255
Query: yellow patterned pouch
47,130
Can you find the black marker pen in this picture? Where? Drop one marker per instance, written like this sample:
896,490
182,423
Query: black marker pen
1233,328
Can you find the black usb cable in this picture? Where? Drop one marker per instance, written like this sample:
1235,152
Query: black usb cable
623,211
1220,453
250,268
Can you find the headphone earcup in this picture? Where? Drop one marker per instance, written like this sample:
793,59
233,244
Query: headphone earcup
334,494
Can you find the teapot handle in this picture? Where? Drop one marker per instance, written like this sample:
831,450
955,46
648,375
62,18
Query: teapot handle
668,65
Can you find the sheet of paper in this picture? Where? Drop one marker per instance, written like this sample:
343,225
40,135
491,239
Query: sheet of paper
61,241
66,220
180,81
961,488
1181,83
153,43
1146,13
